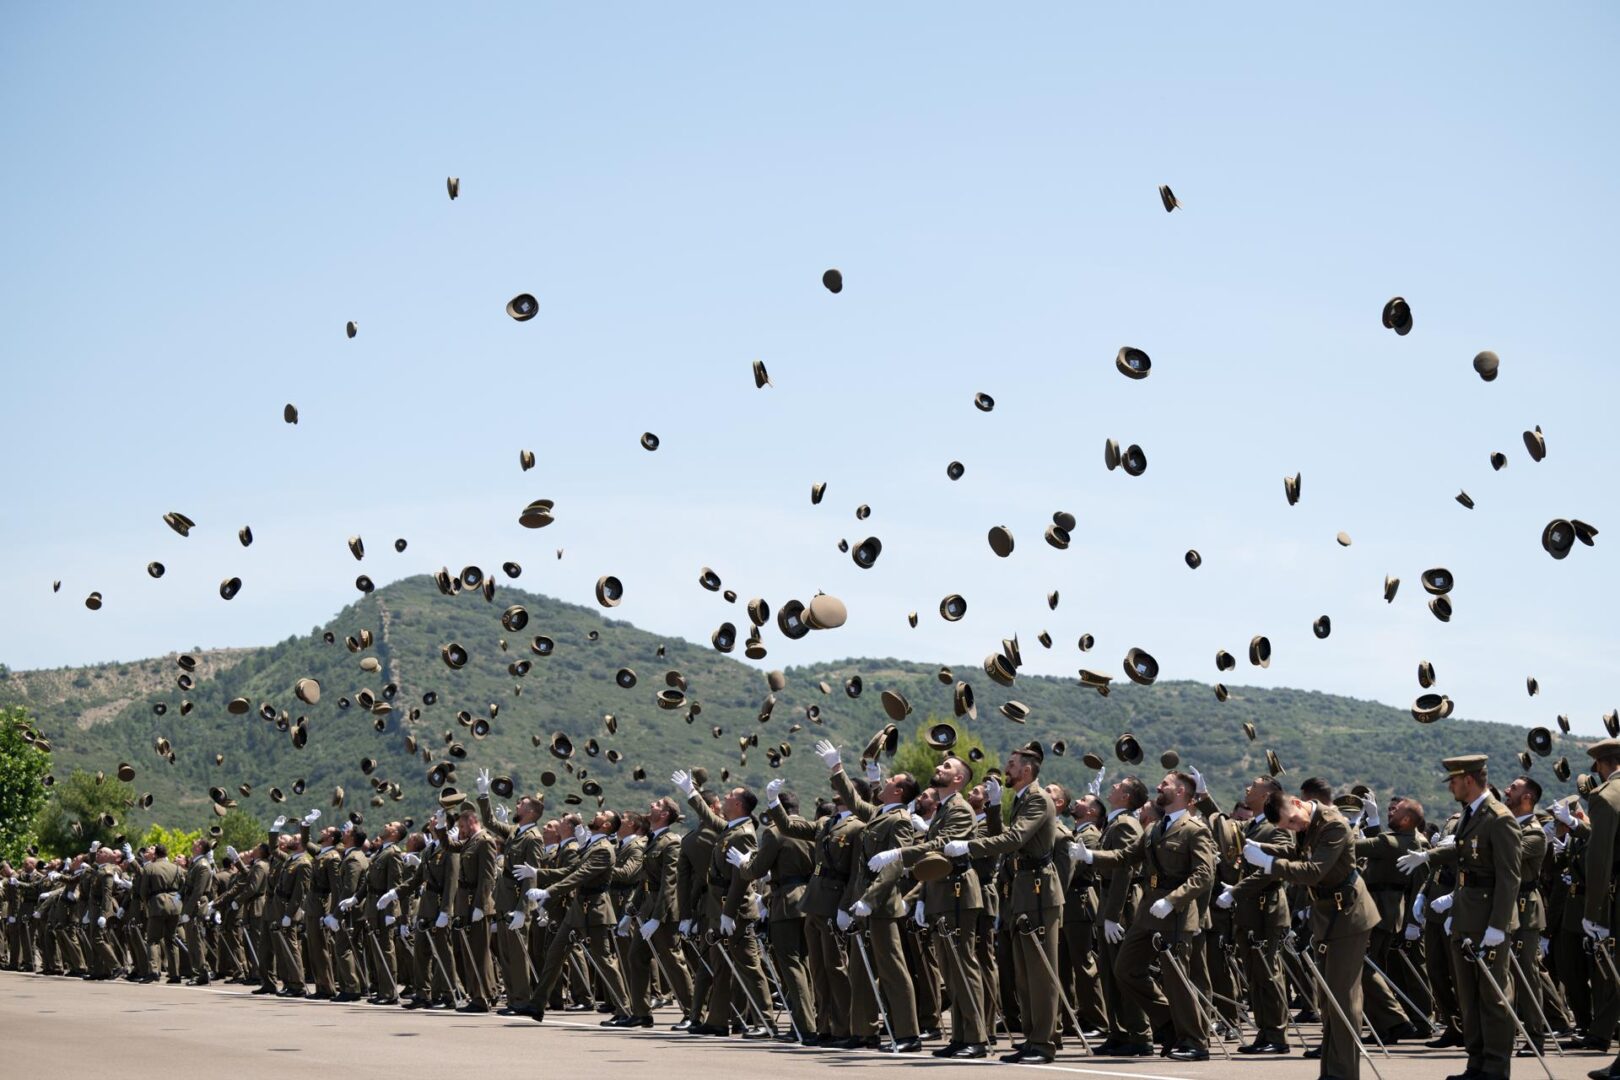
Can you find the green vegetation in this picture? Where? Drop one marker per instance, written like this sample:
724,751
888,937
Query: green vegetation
22,788
78,813
573,689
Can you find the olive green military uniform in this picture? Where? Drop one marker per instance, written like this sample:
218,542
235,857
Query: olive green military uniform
657,901
321,947
1600,863
522,847
836,843
1034,907
1179,859
790,862
195,910
1260,920
349,880
692,885
730,894
1082,935
475,905
952,905
886,829
1121,895
583,886
292,893
1389,888
1486,857
1526,940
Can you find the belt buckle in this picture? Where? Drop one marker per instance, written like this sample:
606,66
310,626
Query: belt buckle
1153,881
1338,901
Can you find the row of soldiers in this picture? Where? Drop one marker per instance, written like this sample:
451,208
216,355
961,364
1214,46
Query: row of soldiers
1126,922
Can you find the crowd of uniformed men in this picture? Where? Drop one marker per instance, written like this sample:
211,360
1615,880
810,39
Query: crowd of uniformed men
903,910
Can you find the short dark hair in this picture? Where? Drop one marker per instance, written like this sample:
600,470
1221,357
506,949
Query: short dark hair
1136,792
1316,789
908,787
613,815
358,835
748,799
1063,794
160,851
1274,806
1185,782
1535,788
789,801
1032,761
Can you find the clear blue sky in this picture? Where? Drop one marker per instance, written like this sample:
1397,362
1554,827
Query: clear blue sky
199,198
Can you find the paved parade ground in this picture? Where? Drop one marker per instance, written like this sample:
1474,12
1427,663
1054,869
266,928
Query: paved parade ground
66,1027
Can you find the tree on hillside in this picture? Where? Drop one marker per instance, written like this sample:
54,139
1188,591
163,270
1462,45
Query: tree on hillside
174,841
77,812
241,830
918,757
22,787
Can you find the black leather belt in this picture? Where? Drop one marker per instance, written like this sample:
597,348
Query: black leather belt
1028,864
791,882
1339,895
1473,879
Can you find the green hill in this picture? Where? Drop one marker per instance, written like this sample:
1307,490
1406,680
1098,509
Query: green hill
99,716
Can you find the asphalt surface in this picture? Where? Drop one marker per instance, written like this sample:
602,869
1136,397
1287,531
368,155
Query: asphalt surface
70,1028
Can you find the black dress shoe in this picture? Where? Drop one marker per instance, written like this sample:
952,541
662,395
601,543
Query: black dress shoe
1189,1053
538,1015
1528,1052
1604,1074
705,1029
1468,1074
1399,1032
972,1051
1265,1048
757,1031
1587,1043
685,1023
417,1003
1029,1055
1132,1050
1446,1041
260,990
577,1007
810,1039
947,1050
342,999
1306,1016
1314,1053
912,1045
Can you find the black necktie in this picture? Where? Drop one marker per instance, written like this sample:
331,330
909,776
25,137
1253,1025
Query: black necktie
1164,827
1468,812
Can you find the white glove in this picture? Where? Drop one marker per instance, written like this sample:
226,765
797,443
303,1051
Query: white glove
387,898
1161,908
1493,937
286,920
101,922
218,919
1447,841
503,814
1079,852
95,846
758,905
1560,844
683,781
330,922
1442,904
481,781
411,858
442,921
1418,906
1113,932
918,824
187,918
1252,853
844,919
772,790
738,857
1593,930
1447,926
581,833
208,907
992,791
389,920
524,872
538,896
955,849
439,820
348,902
1302,915
1560,811
623,928
684,927
235,906
517,920
1095,786
860,909
1369,811
728,926
1409,862
478,914
882,859
84,920
828,753
276,825
454,835
1226,899
404,931
874,772
1200,787
312,817
1413,931
918,915
1546,945
1550,831
648,929
348,827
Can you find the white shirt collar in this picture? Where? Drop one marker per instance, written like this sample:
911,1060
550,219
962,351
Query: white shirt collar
525,827
327,848
1114,813
1522,818
660,832
1477,803
550,848
1173,817
623,840
734,822
840,816
886,807
593,838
